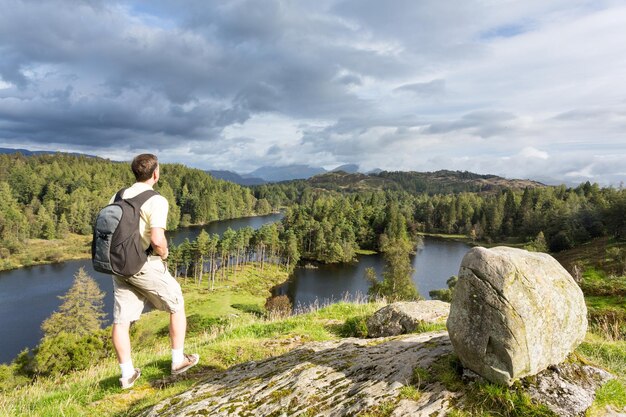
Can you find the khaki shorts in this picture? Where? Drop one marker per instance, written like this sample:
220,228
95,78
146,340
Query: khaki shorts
152,284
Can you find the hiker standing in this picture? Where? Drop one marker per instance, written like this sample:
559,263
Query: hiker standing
153,284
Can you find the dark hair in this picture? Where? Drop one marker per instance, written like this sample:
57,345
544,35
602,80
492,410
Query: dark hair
143,166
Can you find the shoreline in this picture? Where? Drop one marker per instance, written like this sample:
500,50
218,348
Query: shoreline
72,248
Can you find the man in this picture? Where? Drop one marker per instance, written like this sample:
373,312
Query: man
153,283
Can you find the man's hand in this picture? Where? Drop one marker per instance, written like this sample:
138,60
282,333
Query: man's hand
158,242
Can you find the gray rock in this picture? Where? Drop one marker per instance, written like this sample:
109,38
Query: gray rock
514,313
335,378
568,389
405,317
357,377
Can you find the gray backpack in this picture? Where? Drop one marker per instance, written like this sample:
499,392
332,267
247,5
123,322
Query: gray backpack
116,246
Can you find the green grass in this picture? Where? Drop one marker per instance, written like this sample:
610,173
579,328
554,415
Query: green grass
481,398
463,238
610,355
365,252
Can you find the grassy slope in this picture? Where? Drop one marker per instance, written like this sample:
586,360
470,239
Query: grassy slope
240,335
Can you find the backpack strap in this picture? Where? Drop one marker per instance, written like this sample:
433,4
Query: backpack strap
119,195
139,199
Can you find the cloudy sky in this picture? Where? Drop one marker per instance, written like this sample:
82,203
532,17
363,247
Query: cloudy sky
524,89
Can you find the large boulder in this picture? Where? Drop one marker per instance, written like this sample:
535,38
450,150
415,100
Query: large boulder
405,317
514,313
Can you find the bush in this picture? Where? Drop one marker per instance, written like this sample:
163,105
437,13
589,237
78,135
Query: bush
10,378
354,327
278,306
441,295
445,294
66,352
560,242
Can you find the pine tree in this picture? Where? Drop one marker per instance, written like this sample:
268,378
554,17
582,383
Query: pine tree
82,310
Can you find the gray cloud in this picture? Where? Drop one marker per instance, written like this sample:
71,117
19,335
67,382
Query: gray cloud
484,123
335,81
430,88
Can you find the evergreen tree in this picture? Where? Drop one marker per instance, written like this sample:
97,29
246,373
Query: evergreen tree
81,312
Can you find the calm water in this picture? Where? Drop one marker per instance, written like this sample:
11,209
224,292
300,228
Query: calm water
434,263
178,236
29,295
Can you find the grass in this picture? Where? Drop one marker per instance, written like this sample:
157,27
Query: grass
225,329
40,251
610,355
592,254
462,238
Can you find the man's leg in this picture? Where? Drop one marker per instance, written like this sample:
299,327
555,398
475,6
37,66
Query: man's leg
127,308
178,327
121,342
181,362
158,286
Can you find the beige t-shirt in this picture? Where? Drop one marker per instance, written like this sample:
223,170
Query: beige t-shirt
153,212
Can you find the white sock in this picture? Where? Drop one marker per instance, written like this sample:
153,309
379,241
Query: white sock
127,369
177,356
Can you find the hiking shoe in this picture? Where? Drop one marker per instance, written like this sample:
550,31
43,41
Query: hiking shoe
130,381
188,362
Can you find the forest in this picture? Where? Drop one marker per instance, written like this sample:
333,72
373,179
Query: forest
49,196
566,217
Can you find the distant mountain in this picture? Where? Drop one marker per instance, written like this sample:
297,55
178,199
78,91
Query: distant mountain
26,152
236,178
349,168
438,182
446,181
285,173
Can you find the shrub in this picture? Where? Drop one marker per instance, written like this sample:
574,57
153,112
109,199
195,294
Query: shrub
278,306
354,327
67,352
445,294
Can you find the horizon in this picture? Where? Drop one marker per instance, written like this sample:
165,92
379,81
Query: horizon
252,174
523,90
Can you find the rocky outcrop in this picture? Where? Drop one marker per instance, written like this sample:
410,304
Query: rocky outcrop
367,377
337,378
514,313
568,389
405,317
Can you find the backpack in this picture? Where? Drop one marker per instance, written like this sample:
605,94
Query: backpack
116,246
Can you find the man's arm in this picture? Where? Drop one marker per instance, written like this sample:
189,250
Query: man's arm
158,242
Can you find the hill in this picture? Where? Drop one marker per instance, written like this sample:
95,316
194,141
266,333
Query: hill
445,181
236,178
438,182
285,173
26,152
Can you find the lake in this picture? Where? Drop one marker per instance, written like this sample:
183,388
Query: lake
435,261
29,295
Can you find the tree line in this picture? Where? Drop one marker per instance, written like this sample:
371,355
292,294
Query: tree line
214,256
329,224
